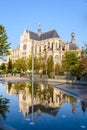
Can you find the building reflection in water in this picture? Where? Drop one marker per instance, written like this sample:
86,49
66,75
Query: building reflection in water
43,99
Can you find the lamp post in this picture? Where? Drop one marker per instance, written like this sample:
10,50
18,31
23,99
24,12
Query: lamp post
45,60
32,101
32,60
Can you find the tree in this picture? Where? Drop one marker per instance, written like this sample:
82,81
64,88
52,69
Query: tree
3,67
20,64
71,62
50,65
83,64
85,50
36,63
58,69
4,45
29,63
9,66
40,64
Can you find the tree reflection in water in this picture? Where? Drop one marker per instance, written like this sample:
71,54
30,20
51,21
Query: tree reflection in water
46,99
3,106
84,106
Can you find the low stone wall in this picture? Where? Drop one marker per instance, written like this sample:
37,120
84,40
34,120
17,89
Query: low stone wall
68,79
9,75
73,78
83,78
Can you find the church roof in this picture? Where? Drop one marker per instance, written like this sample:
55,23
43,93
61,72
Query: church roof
43,36
33,35
48,110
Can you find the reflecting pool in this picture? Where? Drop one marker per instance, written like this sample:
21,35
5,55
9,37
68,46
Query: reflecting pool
40,107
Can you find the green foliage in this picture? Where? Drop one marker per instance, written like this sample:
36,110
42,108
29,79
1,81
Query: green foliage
44,68
50,65
4,45
36,63
3,66
29,63
59,69
85,50
83,64
20,64
9,66
71,62
75,70
40,64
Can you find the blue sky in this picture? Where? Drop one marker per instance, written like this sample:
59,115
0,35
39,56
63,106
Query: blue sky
65,16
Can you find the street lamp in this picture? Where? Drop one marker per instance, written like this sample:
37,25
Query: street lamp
45,59
32,101
32,60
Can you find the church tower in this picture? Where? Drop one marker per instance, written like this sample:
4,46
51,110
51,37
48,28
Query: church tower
73,38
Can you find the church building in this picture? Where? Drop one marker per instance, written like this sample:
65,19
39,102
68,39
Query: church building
43,44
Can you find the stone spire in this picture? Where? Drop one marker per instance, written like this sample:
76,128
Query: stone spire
73,38
39,30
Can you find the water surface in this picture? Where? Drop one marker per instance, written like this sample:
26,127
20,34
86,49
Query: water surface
40,107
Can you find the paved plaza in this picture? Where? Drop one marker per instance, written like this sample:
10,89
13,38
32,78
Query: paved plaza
77,90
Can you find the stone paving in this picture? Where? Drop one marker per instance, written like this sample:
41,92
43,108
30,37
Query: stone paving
77,90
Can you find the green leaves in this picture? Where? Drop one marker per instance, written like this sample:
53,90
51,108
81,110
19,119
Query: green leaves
4,45
20,64
50,65
71,62
36,63
83,62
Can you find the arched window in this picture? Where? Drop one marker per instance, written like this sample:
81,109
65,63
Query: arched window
63,48
59,45
56,45
48,44
52,45
40,49
44,47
